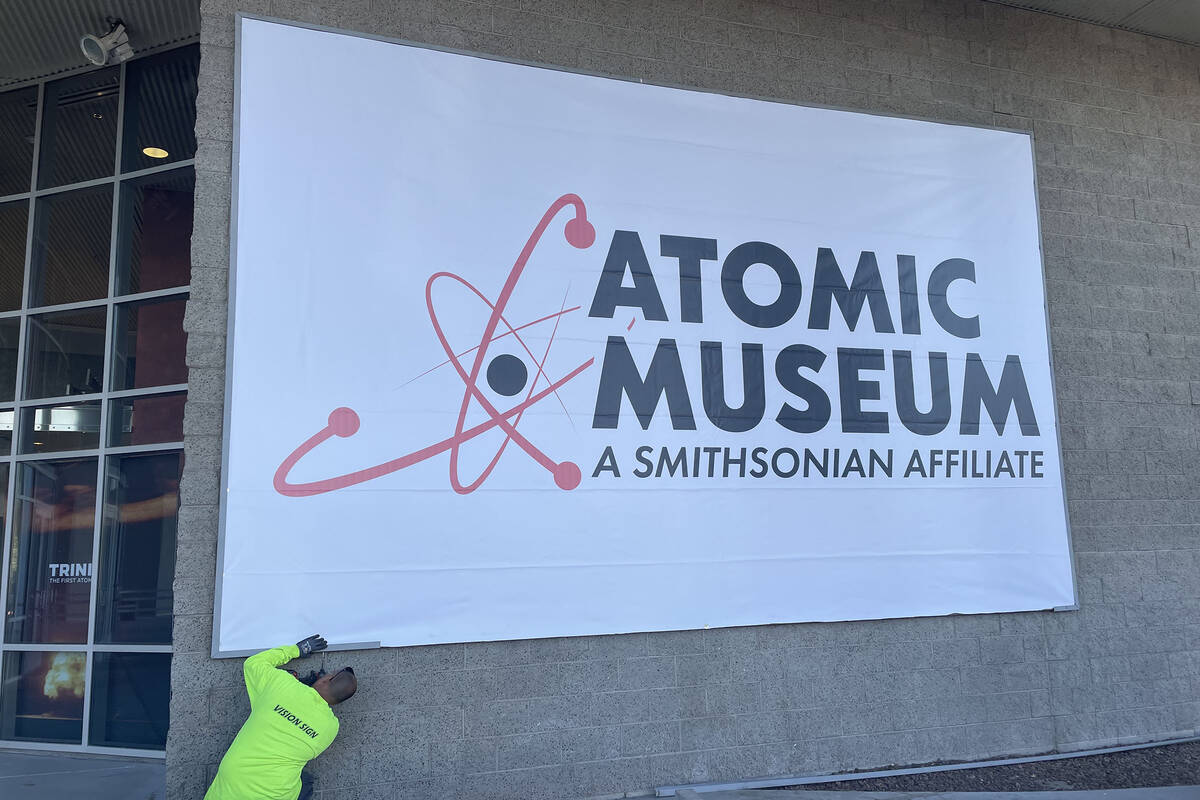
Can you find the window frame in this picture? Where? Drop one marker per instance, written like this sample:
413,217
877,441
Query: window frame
115,181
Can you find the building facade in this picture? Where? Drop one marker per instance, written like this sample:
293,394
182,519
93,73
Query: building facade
96,331
1114,117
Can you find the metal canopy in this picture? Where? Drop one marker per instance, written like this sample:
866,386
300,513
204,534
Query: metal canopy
39,38
1170,19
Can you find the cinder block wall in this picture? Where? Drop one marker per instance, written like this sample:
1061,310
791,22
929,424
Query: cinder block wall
1116,119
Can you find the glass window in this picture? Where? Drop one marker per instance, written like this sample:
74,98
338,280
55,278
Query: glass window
14,222
6,435
137,549
148,419
42,696
155,232
79,128
89,556
130,697
70,247
65,353
10,330
52,429
149,344
160,109
50,566
18,124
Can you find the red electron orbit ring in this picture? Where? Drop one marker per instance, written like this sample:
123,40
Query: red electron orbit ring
344,422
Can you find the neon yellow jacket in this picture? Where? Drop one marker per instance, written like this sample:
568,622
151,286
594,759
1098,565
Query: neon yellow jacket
289,725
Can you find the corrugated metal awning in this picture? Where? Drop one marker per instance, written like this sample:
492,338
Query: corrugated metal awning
39,38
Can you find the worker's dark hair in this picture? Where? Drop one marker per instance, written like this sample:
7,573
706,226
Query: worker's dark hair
343,685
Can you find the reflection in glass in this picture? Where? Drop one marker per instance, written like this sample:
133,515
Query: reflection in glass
160,109
50,566
3,491
79,128
10,331
155,232
14,219
69,262
42,696
53,429
149,344
6,435
146,420
130,695
18,121
137,549
65,353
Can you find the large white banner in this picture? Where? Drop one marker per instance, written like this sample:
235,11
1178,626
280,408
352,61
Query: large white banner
519,353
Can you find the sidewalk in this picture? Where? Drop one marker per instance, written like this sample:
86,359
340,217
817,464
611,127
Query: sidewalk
43,776
1156,793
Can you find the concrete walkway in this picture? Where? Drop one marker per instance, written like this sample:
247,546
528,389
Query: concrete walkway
41,776
1157,793
46,776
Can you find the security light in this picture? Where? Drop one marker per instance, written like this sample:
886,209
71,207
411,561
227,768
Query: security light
99,49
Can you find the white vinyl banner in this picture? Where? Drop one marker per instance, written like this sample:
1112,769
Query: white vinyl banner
521,353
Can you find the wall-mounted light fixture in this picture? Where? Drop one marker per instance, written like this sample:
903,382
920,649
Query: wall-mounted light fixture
114,44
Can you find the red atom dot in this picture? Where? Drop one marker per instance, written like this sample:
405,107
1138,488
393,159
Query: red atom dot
567,475
343,422
580,233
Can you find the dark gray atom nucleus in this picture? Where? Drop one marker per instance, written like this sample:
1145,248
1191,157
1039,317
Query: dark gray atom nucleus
506,374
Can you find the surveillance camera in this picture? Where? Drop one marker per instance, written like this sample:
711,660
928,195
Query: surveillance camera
115,43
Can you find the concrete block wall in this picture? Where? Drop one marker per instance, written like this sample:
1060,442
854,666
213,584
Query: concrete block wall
1116,119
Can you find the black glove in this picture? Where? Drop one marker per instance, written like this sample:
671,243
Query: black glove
312,644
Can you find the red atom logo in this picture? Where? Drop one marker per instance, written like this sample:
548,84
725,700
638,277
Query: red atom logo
506,375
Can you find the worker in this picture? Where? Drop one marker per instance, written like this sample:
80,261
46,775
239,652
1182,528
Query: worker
290,724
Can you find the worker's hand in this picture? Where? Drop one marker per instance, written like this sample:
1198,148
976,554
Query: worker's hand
312,644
